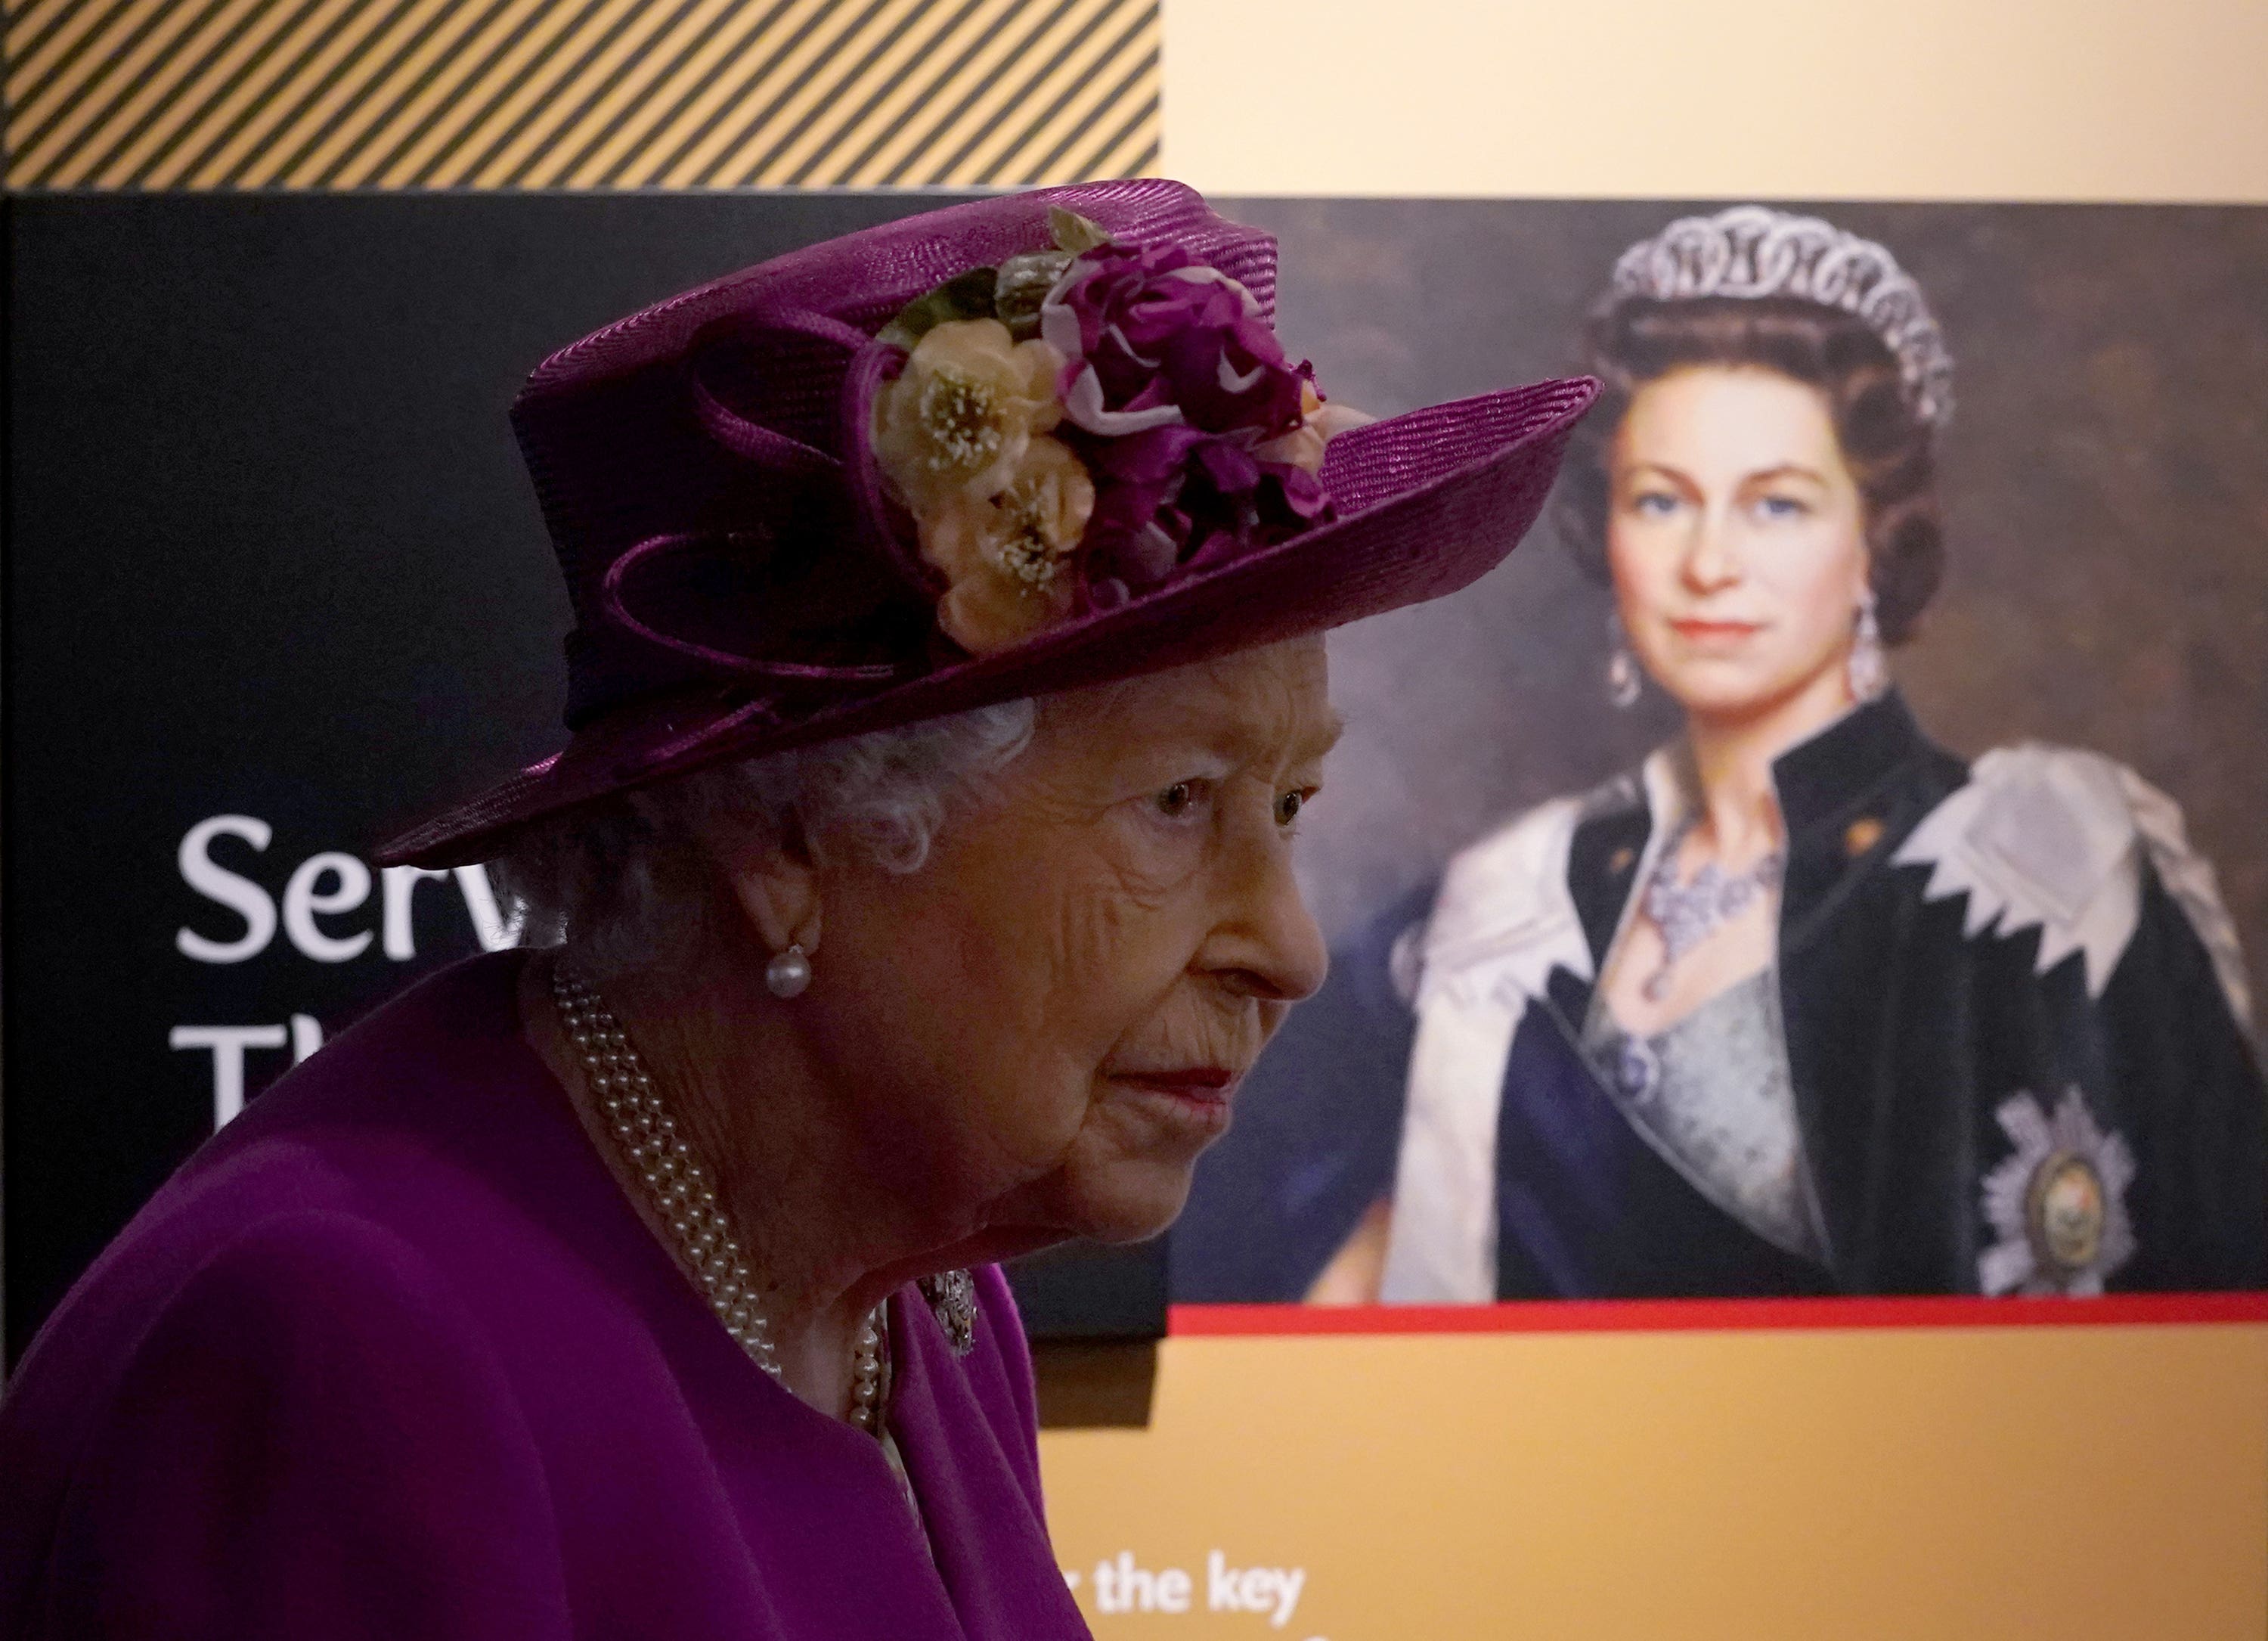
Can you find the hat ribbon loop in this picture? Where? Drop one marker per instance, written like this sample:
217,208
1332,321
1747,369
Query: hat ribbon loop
752,441
653,547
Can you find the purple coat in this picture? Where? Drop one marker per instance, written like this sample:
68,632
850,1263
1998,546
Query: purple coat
393,1356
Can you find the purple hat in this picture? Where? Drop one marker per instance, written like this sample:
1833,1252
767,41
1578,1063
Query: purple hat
1014,445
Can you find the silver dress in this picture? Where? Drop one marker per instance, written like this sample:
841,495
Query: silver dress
1712,1093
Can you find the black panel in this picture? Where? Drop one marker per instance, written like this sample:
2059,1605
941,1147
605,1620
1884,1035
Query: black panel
271,555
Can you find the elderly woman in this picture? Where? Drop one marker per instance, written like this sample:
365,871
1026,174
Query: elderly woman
947,682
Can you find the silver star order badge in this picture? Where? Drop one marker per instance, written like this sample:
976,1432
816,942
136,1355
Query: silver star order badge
2058,1203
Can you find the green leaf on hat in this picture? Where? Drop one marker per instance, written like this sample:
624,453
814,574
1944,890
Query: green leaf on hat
969,296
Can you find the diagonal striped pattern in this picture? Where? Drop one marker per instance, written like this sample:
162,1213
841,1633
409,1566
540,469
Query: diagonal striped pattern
579,93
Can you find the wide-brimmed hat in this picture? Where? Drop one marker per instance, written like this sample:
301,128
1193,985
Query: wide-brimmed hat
745,577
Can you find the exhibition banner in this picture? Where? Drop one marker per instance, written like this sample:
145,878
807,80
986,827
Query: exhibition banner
1976,1347
297,597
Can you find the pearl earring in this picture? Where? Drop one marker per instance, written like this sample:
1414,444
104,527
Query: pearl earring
1869,673
789,973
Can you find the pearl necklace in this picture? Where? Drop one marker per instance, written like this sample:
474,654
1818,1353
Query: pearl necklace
646,1138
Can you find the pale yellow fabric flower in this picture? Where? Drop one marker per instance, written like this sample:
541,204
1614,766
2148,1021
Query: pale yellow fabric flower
959,417
1007,556
1303,446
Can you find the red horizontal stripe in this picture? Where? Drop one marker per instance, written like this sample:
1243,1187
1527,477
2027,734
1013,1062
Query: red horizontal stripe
1661,1316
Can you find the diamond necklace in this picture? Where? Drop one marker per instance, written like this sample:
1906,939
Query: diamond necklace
1686,914
646,1138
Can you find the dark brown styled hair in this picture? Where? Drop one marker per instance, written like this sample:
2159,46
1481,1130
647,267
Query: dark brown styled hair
1887,446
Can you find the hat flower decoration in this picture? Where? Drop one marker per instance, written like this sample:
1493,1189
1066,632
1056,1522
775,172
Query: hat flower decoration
1077,424
1017,445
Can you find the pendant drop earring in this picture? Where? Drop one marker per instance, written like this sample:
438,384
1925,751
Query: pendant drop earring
1622,679
788,973
1869,673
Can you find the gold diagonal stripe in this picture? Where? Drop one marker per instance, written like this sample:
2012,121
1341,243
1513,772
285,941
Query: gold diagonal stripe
943,81
1006,100
790,154
123,54
804,38
183,103
150,77
481,68
344,158
445,85
263,127
956,30
28,28
1107,89
948,150
297,33
584,93
347,83
841,82
674,159
55,55
65,56
1067,78
869,30
715,38
182,63
621,96
1142,121
485,160
371,82
1138,156
694,101
561,116
1080,80
616,123
903,160
477,108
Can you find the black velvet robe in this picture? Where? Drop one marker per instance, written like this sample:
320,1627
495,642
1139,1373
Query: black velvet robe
1907,1036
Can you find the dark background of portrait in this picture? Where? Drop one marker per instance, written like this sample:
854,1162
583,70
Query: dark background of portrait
270,553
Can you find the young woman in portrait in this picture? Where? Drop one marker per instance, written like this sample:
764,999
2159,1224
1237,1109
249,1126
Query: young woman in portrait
1806,1005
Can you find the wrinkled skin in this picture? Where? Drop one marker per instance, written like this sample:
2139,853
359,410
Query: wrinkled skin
1011,1046
1122,904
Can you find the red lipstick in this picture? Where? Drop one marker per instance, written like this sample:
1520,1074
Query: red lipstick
1198,1095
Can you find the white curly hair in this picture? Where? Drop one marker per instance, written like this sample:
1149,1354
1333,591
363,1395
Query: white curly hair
629,879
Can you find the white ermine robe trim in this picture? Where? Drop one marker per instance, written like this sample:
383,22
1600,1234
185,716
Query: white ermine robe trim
2051,837
1503,921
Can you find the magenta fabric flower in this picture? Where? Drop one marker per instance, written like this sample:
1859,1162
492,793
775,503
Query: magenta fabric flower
1153,338
1175,496
1163,384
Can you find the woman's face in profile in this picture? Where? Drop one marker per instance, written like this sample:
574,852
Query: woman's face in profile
1737,538
1054,1011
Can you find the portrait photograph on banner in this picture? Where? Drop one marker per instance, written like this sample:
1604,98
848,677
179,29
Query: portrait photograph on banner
1825,860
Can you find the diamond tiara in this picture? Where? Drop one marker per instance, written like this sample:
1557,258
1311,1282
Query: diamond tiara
1751,252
